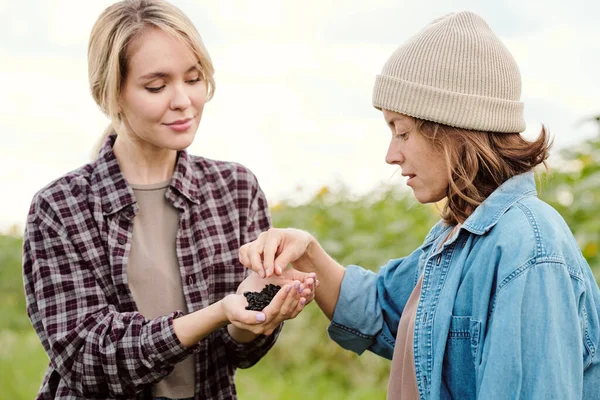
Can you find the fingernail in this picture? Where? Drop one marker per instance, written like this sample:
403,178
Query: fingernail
260,317
288,288
297,285
261,273
268,272
303,301
301,288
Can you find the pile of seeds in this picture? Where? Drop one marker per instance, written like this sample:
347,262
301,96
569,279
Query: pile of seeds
257,301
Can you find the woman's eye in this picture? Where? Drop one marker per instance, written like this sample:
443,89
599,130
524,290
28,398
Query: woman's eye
194,81
402,136
155,89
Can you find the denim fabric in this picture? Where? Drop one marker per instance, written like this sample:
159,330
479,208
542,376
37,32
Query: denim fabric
509,307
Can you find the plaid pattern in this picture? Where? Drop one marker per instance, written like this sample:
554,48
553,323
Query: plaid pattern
75,250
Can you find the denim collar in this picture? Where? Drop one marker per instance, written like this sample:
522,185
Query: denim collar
487,214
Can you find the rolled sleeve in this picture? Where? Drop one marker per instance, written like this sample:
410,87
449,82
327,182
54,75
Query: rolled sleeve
357,318
369,306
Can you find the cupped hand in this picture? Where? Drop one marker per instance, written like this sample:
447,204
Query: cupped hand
305,283
274,249
286,304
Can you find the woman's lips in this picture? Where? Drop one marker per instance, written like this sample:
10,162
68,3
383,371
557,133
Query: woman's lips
181,125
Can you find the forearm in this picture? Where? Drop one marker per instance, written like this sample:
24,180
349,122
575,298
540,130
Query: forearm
192,328
329,273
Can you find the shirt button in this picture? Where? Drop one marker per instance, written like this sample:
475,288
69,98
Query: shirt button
191,280
121,240
107,208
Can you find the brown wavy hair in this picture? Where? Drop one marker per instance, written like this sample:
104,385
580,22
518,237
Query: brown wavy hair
479,162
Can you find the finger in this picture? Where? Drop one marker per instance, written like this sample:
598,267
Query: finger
309,283
243,256
270,249
277,301
290,303
299,307
256,258
284,258
306,293
249,318
281,301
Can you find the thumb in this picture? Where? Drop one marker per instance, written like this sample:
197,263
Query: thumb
252,317
287,256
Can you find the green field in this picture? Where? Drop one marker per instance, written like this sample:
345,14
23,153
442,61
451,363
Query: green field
305,364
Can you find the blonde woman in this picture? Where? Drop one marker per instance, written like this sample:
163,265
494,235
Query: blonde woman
130,263
498,302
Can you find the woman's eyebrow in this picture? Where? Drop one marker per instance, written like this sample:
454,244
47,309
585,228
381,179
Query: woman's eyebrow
160,74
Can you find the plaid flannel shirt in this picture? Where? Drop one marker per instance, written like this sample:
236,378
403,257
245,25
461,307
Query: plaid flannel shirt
76,244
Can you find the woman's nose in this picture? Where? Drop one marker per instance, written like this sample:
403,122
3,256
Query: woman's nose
394,155
181,99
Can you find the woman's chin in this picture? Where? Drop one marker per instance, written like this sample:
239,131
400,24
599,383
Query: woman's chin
180,141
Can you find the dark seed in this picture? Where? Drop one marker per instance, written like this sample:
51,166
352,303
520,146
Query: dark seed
257,301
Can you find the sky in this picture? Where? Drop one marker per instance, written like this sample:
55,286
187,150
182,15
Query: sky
294,81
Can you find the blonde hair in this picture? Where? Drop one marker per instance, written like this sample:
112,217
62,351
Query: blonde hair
117,27
479,162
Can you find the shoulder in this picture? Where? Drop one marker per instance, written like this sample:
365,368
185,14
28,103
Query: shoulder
225,174
532,233
65,190
59,204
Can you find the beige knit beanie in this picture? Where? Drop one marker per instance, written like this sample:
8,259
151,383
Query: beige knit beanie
456,72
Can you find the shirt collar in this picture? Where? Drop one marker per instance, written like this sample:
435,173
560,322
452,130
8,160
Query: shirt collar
487,214
186,178
116,193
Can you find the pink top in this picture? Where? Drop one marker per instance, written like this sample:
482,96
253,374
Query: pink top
403,378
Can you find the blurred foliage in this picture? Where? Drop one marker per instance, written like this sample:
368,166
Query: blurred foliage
574,191
365,230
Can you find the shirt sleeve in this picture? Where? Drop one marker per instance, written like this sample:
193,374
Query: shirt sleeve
533,345
96,350
369,306
245,355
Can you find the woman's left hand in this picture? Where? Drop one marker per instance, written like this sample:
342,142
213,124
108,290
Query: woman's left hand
304,283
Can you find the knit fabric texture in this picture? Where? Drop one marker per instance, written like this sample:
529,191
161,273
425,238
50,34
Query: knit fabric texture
455,72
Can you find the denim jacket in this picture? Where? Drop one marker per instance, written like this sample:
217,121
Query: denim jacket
509,307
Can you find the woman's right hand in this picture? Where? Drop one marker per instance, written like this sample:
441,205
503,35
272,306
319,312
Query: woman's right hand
274,249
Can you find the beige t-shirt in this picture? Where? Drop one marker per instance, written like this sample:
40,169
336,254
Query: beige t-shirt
403,378
154,277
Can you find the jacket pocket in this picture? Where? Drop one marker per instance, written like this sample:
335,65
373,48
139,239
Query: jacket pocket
462,349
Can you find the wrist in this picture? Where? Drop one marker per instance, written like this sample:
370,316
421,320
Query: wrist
222,315
307,262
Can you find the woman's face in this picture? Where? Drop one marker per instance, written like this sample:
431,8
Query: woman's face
163,94
420,161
